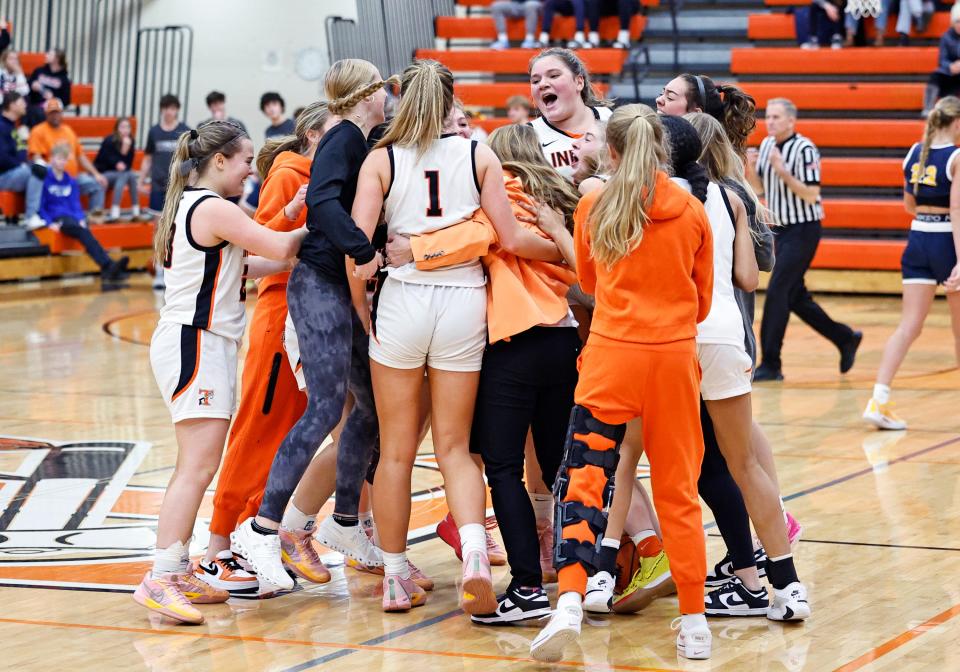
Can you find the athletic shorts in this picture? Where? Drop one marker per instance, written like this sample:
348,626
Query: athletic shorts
928,259
727,371
439,326
291,345
196,371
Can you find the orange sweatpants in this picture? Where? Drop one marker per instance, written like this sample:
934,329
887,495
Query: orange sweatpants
621,381
270,404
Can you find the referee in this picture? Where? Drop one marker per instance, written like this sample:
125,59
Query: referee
787,171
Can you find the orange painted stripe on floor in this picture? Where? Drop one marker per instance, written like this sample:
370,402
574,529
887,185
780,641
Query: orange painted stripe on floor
184,632
900,640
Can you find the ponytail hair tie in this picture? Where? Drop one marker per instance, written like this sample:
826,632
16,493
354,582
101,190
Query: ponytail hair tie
193,134
188,165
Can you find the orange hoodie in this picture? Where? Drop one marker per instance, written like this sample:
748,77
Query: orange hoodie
661,290
522,293
289,172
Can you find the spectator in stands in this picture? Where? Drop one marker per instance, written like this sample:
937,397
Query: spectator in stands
575,8
625,9
48,81
912,13
60,209
4,35
16,173
826,16
161,143
945,80
787,171
514,9
217,104
273,105
11,74
519,109
115,162
52,132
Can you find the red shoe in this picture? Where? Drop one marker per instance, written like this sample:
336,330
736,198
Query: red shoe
447,530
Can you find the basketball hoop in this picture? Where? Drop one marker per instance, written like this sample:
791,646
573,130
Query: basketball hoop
859,9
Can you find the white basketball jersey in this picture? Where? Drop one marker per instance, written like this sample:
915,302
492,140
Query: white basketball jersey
557,145
434,192
205,285
724,323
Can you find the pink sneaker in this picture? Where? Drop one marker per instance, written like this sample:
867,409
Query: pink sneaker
300,556
478,596
794,530
419,577
495,552
401,594
197,590
163,596
545,537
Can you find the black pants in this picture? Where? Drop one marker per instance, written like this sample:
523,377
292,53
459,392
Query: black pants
72,228
818,18
948,85
795,246
576,8
625,9
722,495
526,383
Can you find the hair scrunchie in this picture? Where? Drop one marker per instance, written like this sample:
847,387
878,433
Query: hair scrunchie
193,134
187,166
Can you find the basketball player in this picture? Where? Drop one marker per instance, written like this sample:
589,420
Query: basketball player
200,239
931,194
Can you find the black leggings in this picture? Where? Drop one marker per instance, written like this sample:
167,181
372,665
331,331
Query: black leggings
333,351
526,383
72,228
588,12
723,496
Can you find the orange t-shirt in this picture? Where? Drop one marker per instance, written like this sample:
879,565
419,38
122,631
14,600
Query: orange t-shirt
289,172
43,137
661,290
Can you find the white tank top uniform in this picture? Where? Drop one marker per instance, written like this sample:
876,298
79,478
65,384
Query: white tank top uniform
557,145
437,318
193,351
724,361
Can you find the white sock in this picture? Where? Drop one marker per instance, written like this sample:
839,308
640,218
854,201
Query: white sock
694,622
114,210
641,535
170,560
623,36
610,543
881,393
570,599
395,564
578,36
594,37
473,537
544,37
502,37
542,506
294,519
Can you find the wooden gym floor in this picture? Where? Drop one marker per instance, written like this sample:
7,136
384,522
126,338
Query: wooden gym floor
880,551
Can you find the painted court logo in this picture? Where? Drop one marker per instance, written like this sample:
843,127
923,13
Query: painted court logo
206,396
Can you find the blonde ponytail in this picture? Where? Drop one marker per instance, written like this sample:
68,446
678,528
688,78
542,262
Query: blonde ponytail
619,214
313,118
426,98
944,113
192,156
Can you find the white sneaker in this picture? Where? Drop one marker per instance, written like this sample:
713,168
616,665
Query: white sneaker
790,603
262,551
351,541
34,222
225,573
530,44
563,628
599,596
882,416
693,643
500,45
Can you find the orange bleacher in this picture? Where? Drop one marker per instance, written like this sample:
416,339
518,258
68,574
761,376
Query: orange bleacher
482,28
796,61
516,61
80,94
853,132
839,96
127,236
864,213
496,94
783,27
859,255
487,3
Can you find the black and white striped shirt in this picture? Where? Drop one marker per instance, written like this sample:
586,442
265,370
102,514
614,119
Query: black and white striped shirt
802,159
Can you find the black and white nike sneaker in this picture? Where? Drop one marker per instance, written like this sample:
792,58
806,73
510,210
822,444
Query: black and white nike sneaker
790,603
734,599
515,605
723,570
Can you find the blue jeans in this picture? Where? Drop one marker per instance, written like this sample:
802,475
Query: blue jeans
89,186
21,180
117,180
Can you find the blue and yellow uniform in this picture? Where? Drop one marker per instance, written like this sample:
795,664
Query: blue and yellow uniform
930,256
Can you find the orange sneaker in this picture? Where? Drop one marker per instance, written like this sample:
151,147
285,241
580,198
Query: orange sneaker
495,552
163,596
225,573
300,556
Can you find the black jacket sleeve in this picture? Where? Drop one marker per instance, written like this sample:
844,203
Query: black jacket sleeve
106,158
9,158
335,168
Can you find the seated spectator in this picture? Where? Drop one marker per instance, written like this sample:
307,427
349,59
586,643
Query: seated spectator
48,81
15,173
945,80
4,35
826,16
273,105
11,74
60,209
217,104
514,9
53,131
157,155
519,109
912,13
625,9
115,161
577,9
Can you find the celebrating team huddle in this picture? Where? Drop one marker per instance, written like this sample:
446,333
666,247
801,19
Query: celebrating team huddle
570,295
